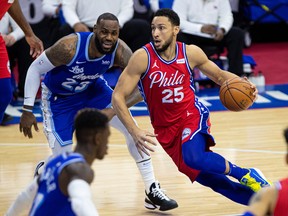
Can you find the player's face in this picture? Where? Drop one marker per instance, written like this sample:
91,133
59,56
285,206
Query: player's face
106,36
102,142
162,33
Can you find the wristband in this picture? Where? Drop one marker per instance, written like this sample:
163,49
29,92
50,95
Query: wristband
27,110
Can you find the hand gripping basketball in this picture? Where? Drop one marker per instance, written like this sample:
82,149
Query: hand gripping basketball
236,94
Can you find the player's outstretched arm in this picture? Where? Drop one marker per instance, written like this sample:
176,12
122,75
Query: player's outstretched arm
122,58
124,88
197,58
24,200
36,45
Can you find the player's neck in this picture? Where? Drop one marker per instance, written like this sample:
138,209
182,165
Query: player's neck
87,154
93,52
169,53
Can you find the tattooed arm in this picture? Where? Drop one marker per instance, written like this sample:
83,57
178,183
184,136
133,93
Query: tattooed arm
63,51
123,55
60,53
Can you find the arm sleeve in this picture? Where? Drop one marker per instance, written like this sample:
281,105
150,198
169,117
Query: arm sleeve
17,32
81,198
24,201
39,67
69,12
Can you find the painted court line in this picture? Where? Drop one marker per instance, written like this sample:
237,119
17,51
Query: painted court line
124,146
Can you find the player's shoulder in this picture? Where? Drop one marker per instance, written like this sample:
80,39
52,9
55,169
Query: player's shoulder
191,48
195,54
68,42
80,170
63,50
140,56
123,48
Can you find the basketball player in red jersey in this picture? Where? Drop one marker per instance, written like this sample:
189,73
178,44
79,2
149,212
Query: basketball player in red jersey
163,71
36,48
271,200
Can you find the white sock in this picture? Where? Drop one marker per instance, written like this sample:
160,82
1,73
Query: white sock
147,173
144,164
23,202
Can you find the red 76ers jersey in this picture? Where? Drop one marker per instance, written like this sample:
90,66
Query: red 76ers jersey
4,6
167,87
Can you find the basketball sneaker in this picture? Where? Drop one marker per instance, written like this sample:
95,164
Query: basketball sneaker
255,180
157,199
39,168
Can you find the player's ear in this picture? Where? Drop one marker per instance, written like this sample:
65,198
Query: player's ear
94,27
97,140
176,30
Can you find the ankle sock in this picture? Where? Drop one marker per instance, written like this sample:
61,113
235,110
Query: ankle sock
237,172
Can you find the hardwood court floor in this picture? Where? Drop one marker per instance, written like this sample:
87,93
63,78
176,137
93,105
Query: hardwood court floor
251,138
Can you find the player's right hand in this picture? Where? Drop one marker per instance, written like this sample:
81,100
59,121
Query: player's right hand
142,140
26,121
36,45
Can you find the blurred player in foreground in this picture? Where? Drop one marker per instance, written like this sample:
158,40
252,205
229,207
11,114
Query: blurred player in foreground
63,188
163,71
271,200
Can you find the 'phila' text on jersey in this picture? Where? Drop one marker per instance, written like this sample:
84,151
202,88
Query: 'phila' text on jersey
163,79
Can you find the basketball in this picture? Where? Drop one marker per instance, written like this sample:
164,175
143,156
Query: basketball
236,94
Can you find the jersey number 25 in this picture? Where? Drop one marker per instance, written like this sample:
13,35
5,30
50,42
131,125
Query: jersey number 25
171,95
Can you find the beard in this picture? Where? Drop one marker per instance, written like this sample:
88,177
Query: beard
100,48
165,45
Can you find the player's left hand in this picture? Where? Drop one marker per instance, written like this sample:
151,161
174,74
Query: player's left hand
36,45
28,119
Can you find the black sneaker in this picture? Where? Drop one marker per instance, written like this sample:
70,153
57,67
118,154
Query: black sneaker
37,169
157,199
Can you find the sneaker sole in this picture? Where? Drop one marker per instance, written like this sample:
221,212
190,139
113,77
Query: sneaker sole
149,205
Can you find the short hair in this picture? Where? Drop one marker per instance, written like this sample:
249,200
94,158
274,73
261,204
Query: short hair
170,14
107,16
286,135
88,122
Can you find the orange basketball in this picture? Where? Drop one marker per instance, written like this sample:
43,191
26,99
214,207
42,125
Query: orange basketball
236,94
